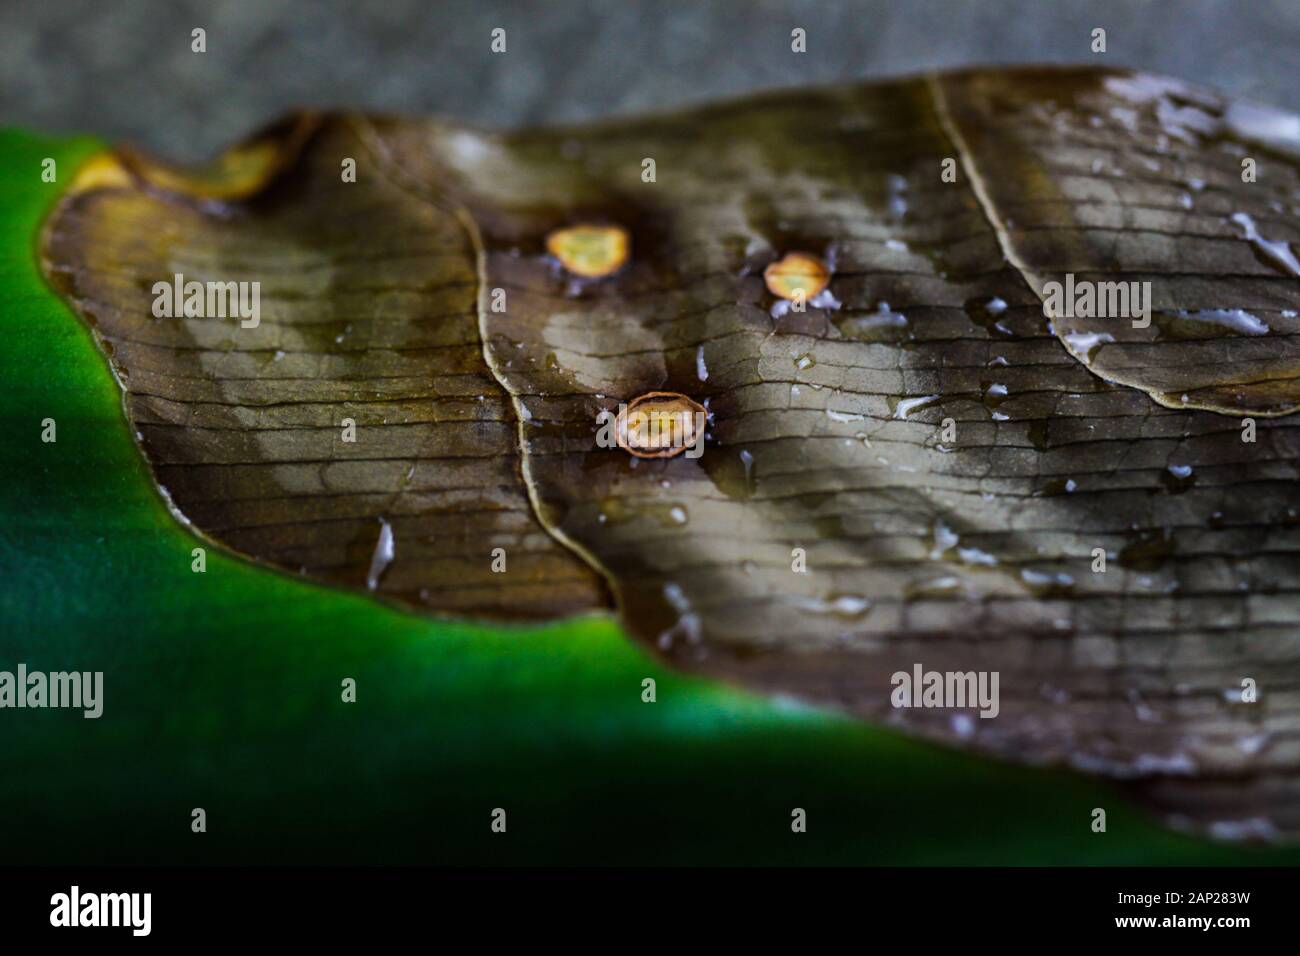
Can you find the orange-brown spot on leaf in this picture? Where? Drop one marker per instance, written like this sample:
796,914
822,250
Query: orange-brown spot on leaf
590,251
660,425
797,272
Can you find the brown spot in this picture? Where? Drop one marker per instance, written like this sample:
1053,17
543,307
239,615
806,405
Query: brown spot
590,251
659,425
797,272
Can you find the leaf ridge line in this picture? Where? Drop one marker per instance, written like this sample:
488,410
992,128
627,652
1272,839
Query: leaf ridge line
948,124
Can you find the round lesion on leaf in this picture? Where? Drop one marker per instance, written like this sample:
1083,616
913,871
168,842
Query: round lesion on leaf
659,424
589,250
797,272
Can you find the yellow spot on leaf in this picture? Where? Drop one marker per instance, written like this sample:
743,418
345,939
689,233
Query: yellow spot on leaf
660,425
590,251
795,272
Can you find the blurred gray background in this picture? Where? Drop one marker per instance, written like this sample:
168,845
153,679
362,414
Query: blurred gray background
124,69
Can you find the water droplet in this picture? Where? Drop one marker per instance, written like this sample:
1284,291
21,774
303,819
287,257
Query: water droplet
1047,583
1140,709
976,556
1060,486
824,300
987,314
946,586
887,316
903,407
1085,344
994,395
963,725
897,202
944,540
688,623
1253,743
1274,252
1237,320
382,556
1178,478
845,605
1164,763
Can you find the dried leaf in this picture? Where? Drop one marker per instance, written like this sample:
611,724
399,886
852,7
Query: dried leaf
907,471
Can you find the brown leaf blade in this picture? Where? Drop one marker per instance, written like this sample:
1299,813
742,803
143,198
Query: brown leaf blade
909,472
